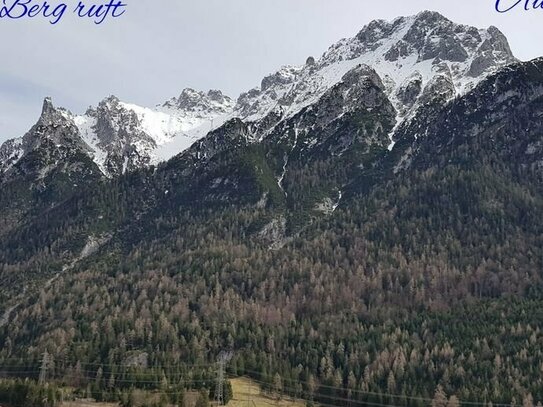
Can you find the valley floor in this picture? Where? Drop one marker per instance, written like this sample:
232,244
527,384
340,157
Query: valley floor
246,393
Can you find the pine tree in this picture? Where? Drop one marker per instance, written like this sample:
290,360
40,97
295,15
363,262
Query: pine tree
440,399
203,399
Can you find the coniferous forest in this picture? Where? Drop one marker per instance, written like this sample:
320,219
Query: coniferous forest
335,268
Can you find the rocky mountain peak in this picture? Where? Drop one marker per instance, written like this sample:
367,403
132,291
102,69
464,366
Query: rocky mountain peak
285,75
430,19
427,36
52,146
189,97
217,96
50,115
110,101
54,126
414,56
47,107
201,103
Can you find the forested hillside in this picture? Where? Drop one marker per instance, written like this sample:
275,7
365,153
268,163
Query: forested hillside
345,258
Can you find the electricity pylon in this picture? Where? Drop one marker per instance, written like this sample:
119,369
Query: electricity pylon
43,369
222,360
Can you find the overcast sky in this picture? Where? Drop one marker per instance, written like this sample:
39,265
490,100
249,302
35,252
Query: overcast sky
160,47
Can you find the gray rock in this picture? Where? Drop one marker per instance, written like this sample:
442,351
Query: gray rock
492,52
118,131
191,100
409,91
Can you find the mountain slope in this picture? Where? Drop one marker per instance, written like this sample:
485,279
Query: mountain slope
344,267
46,166
429,274
316,162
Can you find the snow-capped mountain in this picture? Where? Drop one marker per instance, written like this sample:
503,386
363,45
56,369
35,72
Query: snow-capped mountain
126,136
416,57
420,60
51,150
121,136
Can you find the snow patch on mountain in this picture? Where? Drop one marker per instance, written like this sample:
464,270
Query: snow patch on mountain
10,153
136,134
86,126
160,126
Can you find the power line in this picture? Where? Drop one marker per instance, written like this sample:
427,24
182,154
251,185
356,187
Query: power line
475,403
209,365
120,373
223,358
335,398
181,376
332,398
123,366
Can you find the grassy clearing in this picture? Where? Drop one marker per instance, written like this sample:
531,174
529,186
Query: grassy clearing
247,393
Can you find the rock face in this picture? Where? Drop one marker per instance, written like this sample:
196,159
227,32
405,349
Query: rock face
409,91
48,165
52,144
117,137
10,152
125,137
200,103
355,110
